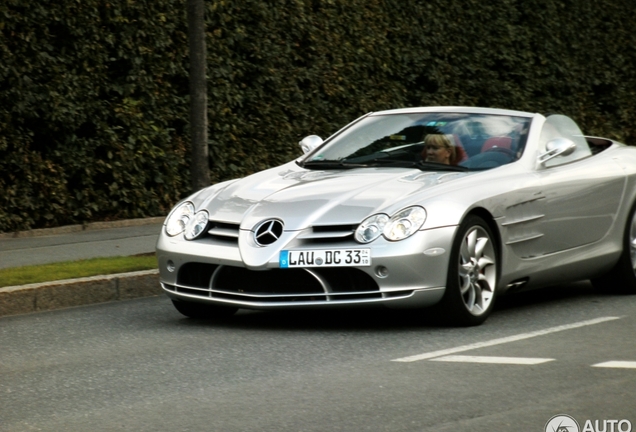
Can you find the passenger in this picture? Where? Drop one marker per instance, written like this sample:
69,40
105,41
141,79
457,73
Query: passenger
438,148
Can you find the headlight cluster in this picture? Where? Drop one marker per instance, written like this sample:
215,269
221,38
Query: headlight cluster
401,225
183,218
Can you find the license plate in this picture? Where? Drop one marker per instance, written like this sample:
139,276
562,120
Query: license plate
325,258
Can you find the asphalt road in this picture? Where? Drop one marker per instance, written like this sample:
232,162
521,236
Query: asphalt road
121,241
140,366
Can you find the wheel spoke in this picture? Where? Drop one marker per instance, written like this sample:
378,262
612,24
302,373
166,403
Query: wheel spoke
464,253
471,243
464,270
485,283
470,301
464,285
479,299
482,242
484,262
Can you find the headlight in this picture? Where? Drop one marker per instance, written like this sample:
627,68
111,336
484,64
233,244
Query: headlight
179,218
404,223
371,228
197,225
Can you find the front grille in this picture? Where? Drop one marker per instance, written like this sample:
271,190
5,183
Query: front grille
275,285
223,232
327,234
334,229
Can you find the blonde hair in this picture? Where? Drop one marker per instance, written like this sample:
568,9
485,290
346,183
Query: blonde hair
443,140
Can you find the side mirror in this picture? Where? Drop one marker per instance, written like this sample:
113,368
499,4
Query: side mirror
309,143
557,147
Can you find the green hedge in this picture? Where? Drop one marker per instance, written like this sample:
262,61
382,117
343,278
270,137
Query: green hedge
92,109
93,94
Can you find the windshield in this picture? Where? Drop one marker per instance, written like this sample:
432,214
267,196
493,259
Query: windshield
429,141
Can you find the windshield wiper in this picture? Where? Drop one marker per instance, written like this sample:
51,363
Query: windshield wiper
331,164
422,165
434,166
388,162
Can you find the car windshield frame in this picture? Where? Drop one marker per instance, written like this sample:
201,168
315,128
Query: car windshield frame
479,141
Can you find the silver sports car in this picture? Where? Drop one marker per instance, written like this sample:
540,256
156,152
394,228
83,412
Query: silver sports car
411,208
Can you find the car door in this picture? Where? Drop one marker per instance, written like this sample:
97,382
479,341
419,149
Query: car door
581,201
582,192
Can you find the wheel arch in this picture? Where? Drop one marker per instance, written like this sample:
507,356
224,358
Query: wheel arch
490,220
463,298
487,217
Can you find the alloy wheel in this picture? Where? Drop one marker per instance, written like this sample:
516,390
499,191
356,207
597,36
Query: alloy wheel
478,270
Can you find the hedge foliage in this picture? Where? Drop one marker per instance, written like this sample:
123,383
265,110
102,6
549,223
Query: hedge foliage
92,108
93,93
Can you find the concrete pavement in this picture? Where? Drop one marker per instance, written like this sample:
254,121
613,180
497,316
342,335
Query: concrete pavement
102,239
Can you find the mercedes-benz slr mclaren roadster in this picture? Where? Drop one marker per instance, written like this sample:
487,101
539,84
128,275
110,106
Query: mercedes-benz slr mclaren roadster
411,208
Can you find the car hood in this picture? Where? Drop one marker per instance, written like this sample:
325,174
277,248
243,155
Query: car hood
303,198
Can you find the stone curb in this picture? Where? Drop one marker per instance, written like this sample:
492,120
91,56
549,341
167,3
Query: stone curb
61,294
86,227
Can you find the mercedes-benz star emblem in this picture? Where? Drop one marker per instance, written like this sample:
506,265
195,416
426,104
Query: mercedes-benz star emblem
268,232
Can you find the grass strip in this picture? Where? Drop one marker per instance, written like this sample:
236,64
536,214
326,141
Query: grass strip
76,269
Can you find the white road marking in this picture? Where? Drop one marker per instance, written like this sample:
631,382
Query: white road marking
492,359
617,364
504,340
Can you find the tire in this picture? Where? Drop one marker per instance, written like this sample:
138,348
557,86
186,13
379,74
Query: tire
203,311
472,275
622,278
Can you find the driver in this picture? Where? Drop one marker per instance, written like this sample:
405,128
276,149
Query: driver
438,148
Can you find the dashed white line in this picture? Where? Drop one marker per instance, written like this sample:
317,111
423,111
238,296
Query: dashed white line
493,359
617,364
504,340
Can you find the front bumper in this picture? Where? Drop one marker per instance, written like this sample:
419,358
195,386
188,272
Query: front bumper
408,273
